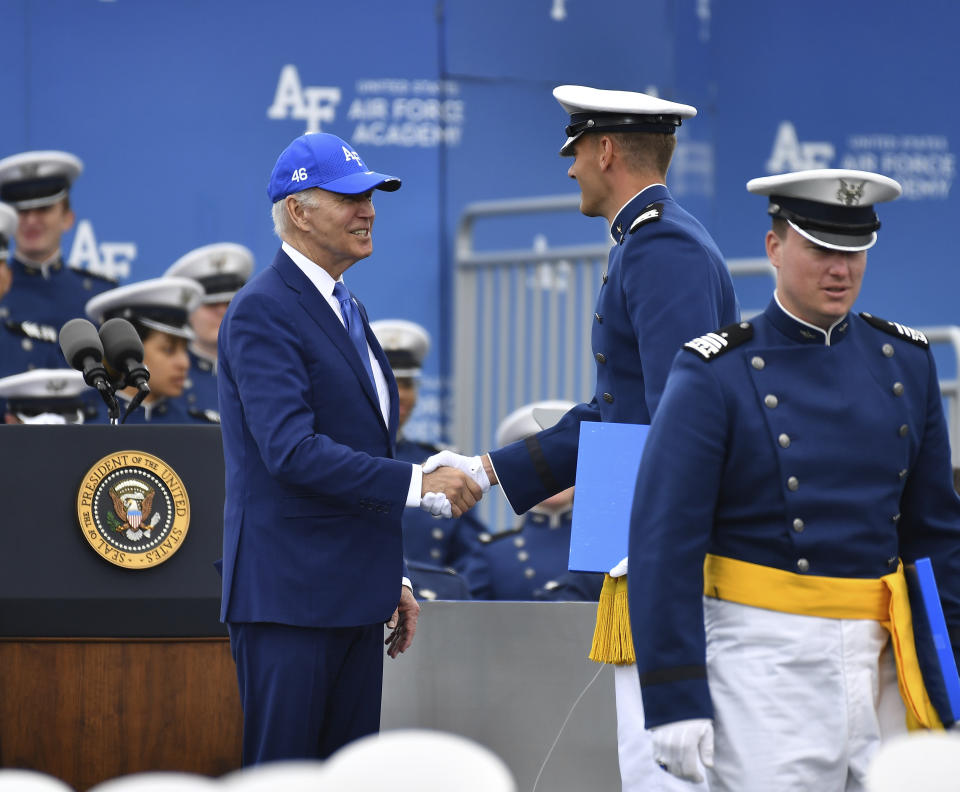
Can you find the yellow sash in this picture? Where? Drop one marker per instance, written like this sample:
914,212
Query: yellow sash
882,599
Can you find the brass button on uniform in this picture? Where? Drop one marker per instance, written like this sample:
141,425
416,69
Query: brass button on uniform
798,525
437,533
903,430
523,555
902,474
803,565
896,517
604,277
898,389
793,483
771,401
529,572
758,363
435,554
887,350
784,440
519,541
601,358
608,398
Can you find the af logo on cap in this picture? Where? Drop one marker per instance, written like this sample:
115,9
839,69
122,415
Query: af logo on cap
133,509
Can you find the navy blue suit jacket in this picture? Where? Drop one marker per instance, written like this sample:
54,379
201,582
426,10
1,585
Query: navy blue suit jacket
312,533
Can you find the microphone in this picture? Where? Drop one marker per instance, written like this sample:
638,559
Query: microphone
83,350
123,351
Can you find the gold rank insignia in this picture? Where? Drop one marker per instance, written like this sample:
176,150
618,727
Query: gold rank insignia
133,509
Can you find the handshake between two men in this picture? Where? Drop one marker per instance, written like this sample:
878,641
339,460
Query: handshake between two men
453,483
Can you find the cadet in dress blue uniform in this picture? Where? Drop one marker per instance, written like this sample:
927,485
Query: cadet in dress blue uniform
159,309
45,291
439,542
804,455
665,282
44,396
221,269
24,345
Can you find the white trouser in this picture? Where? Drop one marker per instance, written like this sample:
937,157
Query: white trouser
638,771
800,702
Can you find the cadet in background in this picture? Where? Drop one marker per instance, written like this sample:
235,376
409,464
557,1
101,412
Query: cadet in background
221,269
43,396
44,290
159,309
444,554
529,561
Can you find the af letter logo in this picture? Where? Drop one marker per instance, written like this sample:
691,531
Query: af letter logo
111,259
313,104
789,154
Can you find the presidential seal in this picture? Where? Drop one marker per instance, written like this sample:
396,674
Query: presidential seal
133,509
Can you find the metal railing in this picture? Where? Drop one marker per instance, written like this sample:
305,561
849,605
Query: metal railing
522,324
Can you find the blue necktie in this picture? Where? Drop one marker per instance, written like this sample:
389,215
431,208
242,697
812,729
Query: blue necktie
354,325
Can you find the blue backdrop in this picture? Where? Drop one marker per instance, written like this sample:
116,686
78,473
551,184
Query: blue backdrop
179,108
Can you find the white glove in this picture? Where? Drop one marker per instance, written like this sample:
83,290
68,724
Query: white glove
677,746
437,504
620,569
472,466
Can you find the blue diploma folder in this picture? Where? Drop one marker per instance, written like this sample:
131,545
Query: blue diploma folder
607,463
932,639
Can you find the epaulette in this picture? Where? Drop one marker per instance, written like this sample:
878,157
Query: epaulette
91,274
650,214
34,331
486,537
897,329
208,416
712,345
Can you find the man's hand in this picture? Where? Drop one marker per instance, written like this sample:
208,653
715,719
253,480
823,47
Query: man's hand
472,466
676,747
403,624
458,488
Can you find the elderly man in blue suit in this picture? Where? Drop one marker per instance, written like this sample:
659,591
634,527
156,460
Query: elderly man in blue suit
312,558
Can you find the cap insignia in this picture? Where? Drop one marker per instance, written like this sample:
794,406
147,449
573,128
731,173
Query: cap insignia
849,194
55,385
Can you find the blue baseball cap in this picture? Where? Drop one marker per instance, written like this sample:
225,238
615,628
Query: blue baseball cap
325,161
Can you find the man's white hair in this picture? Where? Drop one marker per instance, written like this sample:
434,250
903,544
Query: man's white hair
282,225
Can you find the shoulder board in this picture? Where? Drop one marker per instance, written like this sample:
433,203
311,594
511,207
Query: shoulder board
896,329
486,537
34,330
91,274
208,416
650,214
714,344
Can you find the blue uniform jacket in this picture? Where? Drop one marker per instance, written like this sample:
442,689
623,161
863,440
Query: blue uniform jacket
820,455
54,298
443,542
200,392
665,283
525,559
311,528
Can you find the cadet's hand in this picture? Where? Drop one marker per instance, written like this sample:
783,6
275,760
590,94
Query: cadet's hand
461,490
403,624
472,466
436,503
676,747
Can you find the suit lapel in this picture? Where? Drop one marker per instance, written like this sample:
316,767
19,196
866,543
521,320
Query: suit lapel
322,314
381,357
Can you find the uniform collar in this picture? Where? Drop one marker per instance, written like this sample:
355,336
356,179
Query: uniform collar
550,519
204,363
632,208
803,332
52,264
